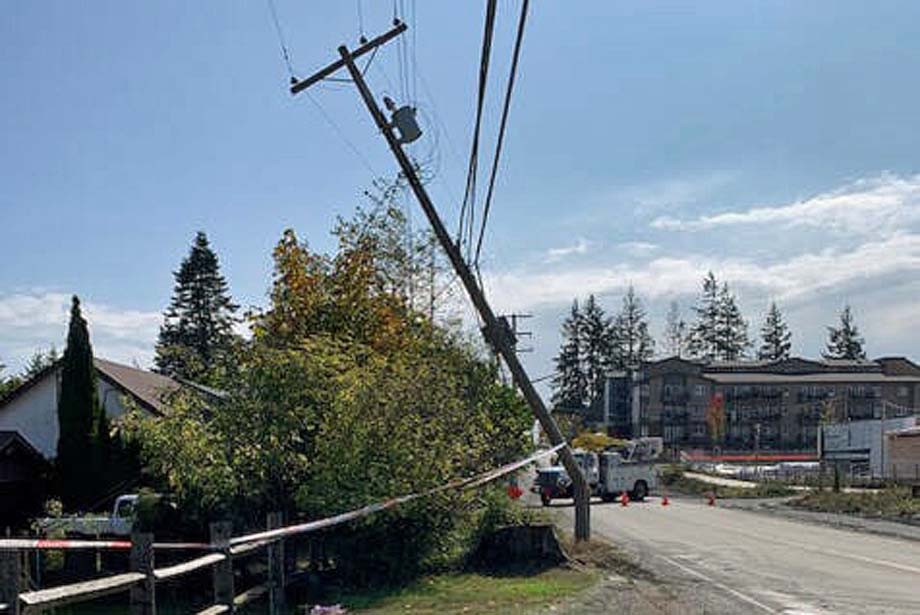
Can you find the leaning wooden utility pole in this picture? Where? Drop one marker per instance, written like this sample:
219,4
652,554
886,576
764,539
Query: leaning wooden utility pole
496,332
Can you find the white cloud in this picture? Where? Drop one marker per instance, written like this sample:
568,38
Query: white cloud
638,248
791,279
31,321
581,246
668,193
881,204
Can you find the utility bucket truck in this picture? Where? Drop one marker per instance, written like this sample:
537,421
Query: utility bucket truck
631,469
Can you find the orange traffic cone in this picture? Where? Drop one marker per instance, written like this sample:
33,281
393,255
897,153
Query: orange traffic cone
624,499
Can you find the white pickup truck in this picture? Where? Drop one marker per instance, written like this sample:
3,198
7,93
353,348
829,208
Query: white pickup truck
119,524
631,470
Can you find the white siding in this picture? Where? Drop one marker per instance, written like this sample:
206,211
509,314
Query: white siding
34,413
111,399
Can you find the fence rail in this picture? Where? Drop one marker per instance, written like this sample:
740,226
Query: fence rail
143,576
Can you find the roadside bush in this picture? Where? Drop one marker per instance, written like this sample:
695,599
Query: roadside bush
894,502
345,396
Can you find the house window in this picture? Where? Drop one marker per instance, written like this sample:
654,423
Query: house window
903,391
699,390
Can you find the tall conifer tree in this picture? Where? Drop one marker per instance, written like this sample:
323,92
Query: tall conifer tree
775,336
79,417
597,352
676,333
197,331
632,343
703,342
732,341
844,341
570,385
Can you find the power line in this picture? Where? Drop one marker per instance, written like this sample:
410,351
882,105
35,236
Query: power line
360,21
469,196
414,56
284,49
341,133
501,131
285,53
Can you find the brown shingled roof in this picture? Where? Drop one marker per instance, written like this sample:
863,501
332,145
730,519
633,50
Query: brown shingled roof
148,388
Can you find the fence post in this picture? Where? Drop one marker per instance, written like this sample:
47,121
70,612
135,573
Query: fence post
223,571
276,580
10,578
143,595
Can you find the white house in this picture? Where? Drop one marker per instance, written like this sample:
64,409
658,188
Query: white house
31,409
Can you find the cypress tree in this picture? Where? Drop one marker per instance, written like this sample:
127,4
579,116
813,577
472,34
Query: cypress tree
632,342
79,417
775,336
844,341
570,385
197,331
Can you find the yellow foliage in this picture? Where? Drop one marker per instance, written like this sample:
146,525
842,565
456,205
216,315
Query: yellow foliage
596,441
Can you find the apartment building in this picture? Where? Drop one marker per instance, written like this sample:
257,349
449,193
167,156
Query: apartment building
767,405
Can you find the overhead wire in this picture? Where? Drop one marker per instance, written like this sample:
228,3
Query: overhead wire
468,206
414,54
522,22
285,54
360,20
341,133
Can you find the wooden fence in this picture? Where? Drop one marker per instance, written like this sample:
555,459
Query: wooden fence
141,579
140,582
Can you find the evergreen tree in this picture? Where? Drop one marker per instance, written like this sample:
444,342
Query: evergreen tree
704,335
775,336
570,385
197,331
7,384
79,418
675,332
598,352
38,362
844,341
632,343
732,341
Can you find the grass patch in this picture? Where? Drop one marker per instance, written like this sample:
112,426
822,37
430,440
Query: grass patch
474,594
479,593
673,478
891,503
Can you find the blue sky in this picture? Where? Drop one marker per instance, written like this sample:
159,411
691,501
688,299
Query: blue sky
776,143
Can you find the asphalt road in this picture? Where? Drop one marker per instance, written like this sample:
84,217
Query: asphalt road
719,560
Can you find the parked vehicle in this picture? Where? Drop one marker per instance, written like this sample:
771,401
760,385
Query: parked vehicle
631,469
119,524
618,475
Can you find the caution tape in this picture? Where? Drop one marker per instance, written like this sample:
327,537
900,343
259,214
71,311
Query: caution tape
463,483
303,528
66,544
